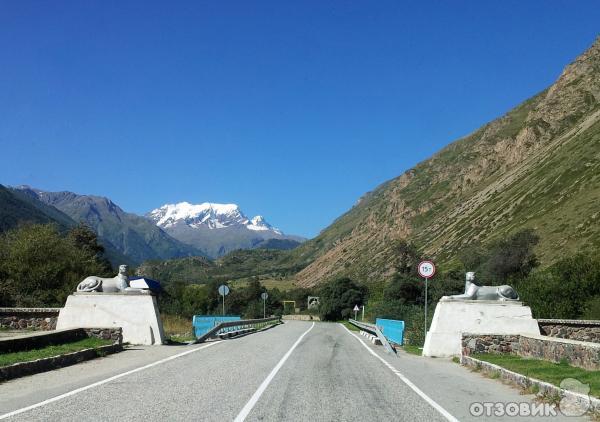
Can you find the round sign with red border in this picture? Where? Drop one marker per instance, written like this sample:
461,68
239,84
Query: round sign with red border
426,269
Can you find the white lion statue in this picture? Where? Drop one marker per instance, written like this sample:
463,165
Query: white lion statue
119,283
475,292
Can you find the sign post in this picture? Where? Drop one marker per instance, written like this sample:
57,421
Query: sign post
264,297
426,270
223,291
356,309
363,313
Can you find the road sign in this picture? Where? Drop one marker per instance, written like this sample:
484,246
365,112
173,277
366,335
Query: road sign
356,309
426,269
223,291
264,295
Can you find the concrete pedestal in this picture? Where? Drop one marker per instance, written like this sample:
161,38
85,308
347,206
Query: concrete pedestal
452,318
136,313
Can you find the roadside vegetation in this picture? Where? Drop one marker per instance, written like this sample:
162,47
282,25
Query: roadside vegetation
51,351
40,265
550,372
412,349
568,289
349,326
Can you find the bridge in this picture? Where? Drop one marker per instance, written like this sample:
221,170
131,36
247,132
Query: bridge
296,371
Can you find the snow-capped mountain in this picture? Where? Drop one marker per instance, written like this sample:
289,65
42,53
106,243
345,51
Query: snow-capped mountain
216,228
213,216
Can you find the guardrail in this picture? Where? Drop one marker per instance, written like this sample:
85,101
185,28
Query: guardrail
236,326
392,329
204,323
372,328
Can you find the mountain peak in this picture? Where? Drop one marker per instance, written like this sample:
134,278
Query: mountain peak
258,223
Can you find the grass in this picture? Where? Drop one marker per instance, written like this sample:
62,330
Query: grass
349,326
50,351
413,349
550,372
182,338
177,327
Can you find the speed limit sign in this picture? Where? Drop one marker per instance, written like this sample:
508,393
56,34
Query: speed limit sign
426,269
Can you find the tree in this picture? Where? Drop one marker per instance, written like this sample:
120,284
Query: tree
568,289
407,257
512,257
40,267
508,258
405,289
84,237
338,298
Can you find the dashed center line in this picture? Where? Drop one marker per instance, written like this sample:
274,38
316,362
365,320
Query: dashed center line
261,389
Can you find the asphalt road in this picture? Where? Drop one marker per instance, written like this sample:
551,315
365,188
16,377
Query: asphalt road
294,372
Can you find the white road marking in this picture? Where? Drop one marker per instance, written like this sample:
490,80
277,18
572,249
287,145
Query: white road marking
406,381
96,384
261,389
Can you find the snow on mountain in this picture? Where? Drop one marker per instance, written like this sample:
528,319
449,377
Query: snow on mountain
207,215
258,223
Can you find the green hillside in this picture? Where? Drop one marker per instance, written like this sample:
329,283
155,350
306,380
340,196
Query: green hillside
15,210
536,167
236,265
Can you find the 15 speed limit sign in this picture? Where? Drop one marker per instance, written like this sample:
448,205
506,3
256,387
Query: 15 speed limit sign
426,269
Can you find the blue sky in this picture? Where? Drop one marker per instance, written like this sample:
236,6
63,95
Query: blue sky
292,110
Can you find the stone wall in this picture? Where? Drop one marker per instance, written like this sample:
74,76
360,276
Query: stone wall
299,317
40,340
489,343
29,318
582,354
582,330
114,333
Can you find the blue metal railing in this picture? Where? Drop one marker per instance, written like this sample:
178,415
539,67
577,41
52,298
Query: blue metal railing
204,323
235,327
392,329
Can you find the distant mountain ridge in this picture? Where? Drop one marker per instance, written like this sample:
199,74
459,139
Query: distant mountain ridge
18,207
217,229
171,231
132,235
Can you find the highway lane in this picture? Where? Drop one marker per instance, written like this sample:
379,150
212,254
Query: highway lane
329,376
332,378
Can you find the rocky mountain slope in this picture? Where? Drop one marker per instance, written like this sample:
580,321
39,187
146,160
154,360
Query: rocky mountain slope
217,229
536,167
130,234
